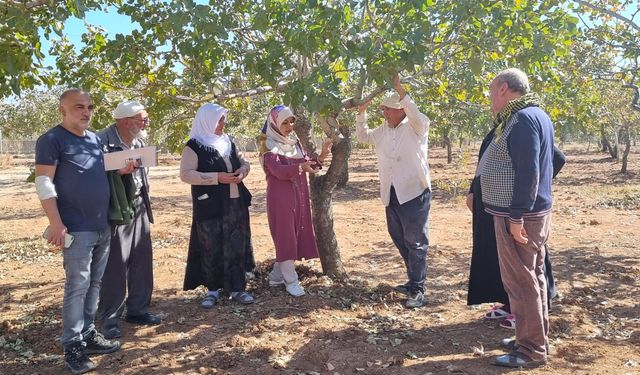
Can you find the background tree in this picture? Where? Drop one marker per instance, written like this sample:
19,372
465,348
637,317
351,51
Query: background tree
612,27
614,35
31,115
21,22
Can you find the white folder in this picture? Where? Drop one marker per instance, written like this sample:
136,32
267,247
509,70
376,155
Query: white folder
144,157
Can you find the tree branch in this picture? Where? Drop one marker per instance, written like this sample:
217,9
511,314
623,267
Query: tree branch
32,4
610,13
251,92
184,115
636,96
354,102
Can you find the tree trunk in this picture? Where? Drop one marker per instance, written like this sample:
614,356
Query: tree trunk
343,180
321,203
604,142
321,189
627,149
447,143
606,145
303,129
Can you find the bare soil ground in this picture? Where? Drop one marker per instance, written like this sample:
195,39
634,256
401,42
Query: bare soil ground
355,327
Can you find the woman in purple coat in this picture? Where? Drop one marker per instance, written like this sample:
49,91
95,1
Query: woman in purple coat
286,164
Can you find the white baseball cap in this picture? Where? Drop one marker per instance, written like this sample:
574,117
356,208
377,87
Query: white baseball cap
127,108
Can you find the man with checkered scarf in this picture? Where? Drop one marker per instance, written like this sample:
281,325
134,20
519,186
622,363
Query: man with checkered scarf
515,177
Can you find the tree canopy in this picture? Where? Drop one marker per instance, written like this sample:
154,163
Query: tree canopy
320,55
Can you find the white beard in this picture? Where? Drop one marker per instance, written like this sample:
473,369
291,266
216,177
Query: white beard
142,134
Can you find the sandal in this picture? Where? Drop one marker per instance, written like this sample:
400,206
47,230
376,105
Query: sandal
244,298
496,312
509,322
509,344
517,360
208,302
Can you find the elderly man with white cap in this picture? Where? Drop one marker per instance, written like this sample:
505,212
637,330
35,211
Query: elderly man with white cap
128,277
405,186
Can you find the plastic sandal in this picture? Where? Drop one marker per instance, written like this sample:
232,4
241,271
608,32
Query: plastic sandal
509,344
209,301
496,312
509,322
517,360
243,297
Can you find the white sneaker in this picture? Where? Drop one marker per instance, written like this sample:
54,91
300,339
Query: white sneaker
295,289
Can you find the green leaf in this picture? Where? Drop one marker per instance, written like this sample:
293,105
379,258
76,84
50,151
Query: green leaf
475,63
58,27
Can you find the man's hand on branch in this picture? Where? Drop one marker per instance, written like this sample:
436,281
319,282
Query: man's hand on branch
362,108
398,86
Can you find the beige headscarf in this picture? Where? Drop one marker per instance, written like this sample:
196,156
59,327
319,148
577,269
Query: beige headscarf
272,141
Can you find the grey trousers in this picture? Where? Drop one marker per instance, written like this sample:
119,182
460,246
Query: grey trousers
521,267
128,277
84,262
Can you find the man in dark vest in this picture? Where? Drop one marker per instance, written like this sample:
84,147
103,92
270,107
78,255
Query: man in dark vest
515,177
128,277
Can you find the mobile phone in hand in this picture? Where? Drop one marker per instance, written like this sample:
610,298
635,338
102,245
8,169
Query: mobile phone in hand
68,239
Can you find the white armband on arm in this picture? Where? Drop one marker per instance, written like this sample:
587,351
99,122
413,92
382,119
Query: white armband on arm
45,188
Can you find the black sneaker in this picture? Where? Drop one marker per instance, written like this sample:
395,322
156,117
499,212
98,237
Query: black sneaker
111,332
144,319
97,344
76,359
402,288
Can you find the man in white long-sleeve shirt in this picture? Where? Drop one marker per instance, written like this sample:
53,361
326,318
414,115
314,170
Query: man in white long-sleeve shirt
405,186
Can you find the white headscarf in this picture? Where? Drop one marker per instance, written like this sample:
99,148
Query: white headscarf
204,125
276,142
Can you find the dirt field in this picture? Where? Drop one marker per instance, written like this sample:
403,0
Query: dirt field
358,327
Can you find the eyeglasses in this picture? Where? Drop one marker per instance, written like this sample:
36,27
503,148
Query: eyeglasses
142,120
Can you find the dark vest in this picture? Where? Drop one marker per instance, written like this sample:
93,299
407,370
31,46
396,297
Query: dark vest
211,201
111,141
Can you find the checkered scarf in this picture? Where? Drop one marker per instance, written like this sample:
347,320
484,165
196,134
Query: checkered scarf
501,119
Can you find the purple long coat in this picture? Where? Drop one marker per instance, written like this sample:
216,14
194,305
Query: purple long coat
288,209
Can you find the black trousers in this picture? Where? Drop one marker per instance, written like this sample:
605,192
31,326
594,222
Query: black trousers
128,277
